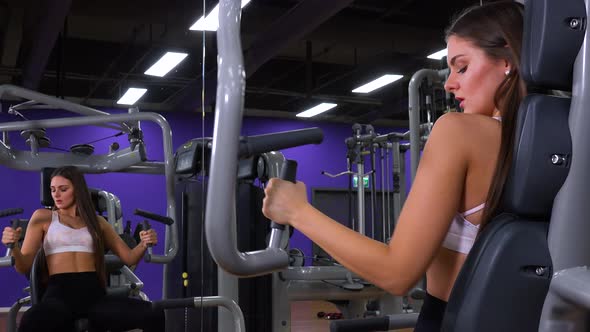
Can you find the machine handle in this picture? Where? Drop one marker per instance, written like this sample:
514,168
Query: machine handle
14,224
153,216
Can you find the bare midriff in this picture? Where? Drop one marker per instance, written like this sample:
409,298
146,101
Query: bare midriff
70,262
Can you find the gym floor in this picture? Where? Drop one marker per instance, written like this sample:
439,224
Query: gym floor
304,316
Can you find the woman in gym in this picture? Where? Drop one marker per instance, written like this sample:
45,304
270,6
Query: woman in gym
74,240
460,177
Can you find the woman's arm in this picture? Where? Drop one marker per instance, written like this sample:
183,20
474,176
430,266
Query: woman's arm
433,201
23,257
114,242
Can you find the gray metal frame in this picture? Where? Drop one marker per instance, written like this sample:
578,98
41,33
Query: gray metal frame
438,76
113,208
220,221
567,304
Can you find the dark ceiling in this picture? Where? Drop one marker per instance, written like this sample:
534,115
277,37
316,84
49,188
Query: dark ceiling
296,53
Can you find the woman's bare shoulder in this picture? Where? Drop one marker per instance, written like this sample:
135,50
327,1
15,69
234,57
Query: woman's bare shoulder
40,217
102,222
466,127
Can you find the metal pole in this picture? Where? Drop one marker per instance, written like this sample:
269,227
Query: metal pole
383,215
568,229
387,171
360,171
414,110
373,191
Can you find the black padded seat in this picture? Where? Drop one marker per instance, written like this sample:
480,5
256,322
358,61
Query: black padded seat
504,283
506,276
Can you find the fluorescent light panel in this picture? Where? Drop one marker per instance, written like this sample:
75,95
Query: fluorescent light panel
377,83
165,64
438,55
211,21
131,96
321,108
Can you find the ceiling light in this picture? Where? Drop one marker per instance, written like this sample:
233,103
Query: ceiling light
438,55
321,108
211,21
377,83
165,64
131,96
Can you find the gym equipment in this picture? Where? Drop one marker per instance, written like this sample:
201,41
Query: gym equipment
131,159
14,223
512,256
193,272
302,282
419,129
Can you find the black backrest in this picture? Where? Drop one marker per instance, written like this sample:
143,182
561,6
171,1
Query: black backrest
504,281
507,273
553,33
46,199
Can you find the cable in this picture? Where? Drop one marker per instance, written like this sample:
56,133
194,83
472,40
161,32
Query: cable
102,139
58,149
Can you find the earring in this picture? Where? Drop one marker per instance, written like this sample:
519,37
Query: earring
507,72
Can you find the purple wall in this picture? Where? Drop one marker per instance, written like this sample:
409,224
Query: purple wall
21,188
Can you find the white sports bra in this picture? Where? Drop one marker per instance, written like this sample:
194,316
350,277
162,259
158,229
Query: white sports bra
61,238
462,233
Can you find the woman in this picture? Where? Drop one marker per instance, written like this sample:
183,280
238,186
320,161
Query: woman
74,239
463,168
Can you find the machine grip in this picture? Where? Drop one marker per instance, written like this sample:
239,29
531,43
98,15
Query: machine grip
145,225
254,145
289,173
153,216
359,325
14,224
10,212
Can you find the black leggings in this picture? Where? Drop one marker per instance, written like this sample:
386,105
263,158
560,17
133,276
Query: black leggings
70,296
431,315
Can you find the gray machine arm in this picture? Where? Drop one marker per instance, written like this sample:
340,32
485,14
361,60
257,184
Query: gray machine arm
16,91
220,215
572,284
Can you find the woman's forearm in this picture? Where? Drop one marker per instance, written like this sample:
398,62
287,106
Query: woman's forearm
136,254
21,262
372,260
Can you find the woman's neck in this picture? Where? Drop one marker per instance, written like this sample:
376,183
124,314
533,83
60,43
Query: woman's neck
70,212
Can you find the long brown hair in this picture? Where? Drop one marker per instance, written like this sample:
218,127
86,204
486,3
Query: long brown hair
86,211
496,28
